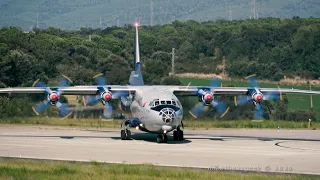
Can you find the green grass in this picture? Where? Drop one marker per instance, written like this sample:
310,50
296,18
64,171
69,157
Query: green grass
296,101
188,123
46,169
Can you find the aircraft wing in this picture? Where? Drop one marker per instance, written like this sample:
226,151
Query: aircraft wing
193,90
74,90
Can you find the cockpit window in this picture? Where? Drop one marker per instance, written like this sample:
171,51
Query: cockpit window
174,103
156,103
163,102
169,102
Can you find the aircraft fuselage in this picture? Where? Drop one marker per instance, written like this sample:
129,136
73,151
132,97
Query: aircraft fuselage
157,109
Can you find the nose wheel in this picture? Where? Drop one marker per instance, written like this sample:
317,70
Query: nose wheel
162,138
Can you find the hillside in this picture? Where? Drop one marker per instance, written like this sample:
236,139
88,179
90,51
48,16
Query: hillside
80,13
270,47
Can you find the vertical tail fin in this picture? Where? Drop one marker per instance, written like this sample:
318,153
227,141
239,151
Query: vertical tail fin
136,78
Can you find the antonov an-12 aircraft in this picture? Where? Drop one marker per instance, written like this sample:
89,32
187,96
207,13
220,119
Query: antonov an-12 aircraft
155,109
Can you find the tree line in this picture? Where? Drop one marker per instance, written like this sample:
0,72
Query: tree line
271,48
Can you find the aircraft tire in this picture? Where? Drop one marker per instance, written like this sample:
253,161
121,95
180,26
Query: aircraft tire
123,135
165,138
180,135
159,138
128,135
175,136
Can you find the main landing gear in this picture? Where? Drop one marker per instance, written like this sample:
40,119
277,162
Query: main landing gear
125,132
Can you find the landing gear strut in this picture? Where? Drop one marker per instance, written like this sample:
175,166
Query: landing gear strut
178,134
125,132
162,138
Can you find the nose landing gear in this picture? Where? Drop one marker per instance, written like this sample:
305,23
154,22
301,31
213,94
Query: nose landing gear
162,138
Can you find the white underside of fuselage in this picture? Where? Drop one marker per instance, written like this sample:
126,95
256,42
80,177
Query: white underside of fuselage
150,119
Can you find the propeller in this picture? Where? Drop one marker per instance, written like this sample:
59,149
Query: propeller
255,96
105,96
206,98
53,97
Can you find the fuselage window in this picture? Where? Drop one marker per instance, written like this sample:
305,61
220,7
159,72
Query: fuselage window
163,102
168,102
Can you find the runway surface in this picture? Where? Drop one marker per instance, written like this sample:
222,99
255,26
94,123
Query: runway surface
287,151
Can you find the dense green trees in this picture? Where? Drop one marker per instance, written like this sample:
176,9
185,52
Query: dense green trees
269,47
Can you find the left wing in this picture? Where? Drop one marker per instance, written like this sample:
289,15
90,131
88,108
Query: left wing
194,90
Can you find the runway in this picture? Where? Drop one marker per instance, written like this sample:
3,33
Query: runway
286,151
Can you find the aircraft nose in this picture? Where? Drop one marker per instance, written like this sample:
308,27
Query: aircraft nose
167,115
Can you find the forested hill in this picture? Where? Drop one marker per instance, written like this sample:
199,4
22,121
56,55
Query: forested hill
269,47
75,14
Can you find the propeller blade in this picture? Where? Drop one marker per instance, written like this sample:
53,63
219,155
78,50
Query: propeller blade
40,107
221,107
100,80
118,94
215,82
107,113
197,109
241,100
39,83
65,81
252,80
259,112
93,100
271,96
63,109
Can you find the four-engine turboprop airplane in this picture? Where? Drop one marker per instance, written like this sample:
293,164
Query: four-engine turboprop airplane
155,109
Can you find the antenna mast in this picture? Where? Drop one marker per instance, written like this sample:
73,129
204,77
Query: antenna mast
151,13
230,14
